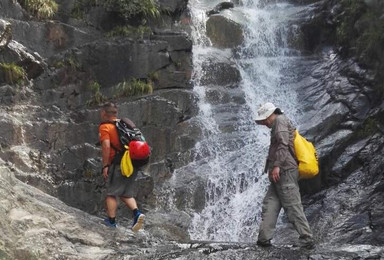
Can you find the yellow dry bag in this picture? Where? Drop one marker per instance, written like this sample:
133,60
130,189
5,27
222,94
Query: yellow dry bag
307,157
126,163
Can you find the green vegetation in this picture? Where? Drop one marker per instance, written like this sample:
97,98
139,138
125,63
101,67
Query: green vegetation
88,173
14,74
97,97
154,76
70,70
133,87
130,31
361,33
73,63
42,9
131,8
80,7
69,62
30,255
126,9
369,128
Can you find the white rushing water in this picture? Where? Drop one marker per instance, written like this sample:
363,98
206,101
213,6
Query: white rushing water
235,147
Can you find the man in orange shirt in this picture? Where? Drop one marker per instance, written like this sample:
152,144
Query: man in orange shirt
117,184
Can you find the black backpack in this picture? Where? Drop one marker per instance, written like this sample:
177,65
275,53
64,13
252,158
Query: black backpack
127,132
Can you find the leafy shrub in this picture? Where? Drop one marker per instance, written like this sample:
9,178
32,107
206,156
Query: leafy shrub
127,9
14,74
42,9
69,62
154,76
88,173
133,87
70,70
80,6
130,31
97,97
131,8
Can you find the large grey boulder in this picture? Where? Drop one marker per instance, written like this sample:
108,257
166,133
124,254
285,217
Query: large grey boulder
32,62
220,73
15,53
224,32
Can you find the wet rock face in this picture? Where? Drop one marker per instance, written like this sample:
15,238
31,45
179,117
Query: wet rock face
223,32
375,4
220,73
343,121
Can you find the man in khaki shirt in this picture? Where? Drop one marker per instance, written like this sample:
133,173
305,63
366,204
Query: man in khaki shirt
282,169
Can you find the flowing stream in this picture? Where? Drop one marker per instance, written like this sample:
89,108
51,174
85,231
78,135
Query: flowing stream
234,147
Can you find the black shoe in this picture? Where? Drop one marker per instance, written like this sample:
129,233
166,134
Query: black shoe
108,223
308,245
264,243
307,242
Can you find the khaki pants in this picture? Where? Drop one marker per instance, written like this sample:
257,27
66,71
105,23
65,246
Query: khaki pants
285,193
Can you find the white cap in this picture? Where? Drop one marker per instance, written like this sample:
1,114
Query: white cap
265,111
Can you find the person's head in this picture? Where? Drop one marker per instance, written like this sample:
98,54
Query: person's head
108,111
267,114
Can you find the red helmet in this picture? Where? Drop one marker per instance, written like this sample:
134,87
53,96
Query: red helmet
139,150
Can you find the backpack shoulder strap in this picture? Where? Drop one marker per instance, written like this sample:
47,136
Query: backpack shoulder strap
291,148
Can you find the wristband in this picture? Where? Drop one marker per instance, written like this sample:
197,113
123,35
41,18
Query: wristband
106,166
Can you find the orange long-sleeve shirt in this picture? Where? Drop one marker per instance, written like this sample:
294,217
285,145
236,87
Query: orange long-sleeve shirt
108,131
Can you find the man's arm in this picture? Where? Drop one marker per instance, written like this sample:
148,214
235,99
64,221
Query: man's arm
105,150
281,153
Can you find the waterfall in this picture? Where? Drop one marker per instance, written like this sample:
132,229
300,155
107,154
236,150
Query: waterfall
234,147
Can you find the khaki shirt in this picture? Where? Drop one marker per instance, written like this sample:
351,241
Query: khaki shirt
281,141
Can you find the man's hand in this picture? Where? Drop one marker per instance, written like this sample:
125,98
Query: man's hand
105,173
274,175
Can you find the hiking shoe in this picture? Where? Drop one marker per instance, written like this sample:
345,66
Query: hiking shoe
108,223
308,245
264,243
138,222
307,242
